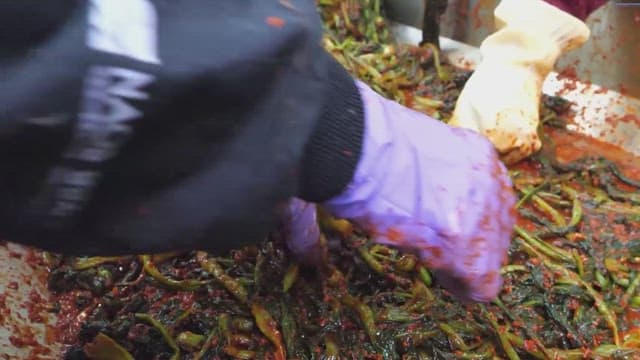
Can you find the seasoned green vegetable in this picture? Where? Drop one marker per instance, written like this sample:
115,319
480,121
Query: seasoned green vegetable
570,287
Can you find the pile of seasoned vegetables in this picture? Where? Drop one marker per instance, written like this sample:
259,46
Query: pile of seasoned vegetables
570,292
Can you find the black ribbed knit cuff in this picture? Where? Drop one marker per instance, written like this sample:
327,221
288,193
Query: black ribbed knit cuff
334,148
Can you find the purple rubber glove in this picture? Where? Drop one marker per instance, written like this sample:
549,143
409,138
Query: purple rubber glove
301,230
430,188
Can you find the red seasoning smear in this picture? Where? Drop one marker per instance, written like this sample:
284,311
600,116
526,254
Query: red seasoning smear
570,77
568,73
5,312
22,337
37,351
274,21
68,324
630,119
573,146
632,317
36,307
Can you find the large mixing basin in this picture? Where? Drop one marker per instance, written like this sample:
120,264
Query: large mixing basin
24,320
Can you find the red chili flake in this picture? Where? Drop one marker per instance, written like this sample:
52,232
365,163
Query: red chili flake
275,21
568,73
36,306
575,237
434,250
34,258
600,91
573,304
394,235
530,345
23,337
597,340
623,90
35,353
516,324
630,118
507,289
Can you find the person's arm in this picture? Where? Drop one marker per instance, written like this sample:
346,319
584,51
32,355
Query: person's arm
180,125
578,8
424,187
190,144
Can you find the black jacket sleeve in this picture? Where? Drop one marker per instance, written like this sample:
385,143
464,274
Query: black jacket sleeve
119,139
